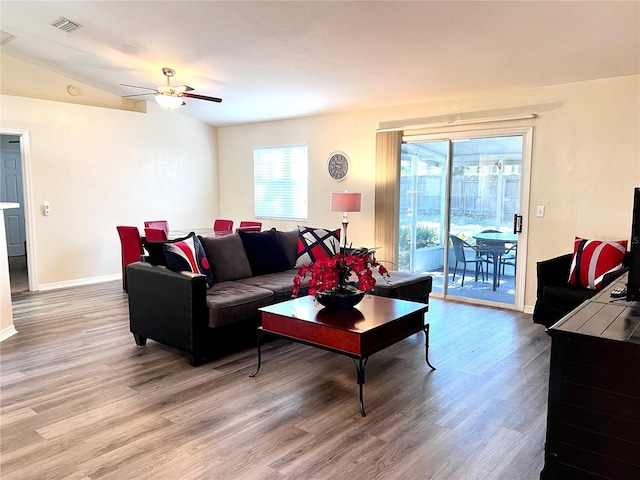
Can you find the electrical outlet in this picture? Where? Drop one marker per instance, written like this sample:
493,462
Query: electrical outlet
46,209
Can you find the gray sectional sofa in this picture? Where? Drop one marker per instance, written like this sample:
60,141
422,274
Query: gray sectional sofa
179,310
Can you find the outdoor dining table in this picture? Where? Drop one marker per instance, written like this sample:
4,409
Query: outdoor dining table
495,244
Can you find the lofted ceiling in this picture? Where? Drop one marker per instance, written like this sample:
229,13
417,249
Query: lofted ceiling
276,60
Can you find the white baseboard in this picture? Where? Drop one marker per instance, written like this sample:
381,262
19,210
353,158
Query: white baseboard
7,332
78,282
528,309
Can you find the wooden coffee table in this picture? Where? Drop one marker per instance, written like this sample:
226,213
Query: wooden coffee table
374,324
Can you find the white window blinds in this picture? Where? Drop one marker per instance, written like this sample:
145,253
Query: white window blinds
280,182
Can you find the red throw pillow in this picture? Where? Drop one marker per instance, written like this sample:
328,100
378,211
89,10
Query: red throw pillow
316,243
592,259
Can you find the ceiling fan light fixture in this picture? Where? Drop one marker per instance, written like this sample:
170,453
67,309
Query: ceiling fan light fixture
169,102
170,97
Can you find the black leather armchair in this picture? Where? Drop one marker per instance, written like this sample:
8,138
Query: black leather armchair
171,308
555,297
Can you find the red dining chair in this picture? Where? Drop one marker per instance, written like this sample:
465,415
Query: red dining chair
221,225
162,224
248,226
155,235
131,248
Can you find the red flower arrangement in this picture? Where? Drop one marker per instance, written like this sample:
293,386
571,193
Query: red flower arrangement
334,273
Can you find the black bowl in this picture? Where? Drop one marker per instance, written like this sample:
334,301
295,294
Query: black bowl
340,300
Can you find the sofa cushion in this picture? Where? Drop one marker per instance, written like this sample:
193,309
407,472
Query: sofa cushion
592,259
315,244
279,283
187,256
227,257
289,242
264,251
231,302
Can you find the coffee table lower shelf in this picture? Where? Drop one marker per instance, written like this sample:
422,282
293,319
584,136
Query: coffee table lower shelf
376,324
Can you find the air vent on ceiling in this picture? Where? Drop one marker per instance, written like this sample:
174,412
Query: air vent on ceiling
65,24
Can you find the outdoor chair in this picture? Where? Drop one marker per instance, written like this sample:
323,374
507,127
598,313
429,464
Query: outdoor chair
484,250
459,247
508,258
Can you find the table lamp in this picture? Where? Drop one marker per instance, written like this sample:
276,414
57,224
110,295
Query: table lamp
345,202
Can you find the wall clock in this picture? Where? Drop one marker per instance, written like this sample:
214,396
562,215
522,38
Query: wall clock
338,165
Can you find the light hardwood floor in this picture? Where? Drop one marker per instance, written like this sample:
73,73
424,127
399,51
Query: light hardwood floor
79,400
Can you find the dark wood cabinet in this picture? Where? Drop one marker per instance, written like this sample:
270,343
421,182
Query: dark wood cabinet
593,418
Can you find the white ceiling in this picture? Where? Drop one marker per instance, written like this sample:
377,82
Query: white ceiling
276,60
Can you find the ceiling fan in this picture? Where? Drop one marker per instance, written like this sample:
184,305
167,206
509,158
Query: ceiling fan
171,97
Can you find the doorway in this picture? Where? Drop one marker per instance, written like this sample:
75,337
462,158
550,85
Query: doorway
458,199
11,190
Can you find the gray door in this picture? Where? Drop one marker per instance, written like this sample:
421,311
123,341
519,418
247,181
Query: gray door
11,191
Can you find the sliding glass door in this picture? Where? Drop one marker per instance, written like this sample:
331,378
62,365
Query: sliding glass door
458,198
423,206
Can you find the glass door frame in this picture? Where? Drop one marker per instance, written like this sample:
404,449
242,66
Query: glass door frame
527,148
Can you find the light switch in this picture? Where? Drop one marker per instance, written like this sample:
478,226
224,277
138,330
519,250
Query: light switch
540,211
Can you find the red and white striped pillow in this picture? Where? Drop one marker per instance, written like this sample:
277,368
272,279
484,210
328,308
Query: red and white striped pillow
315,244
187,255
592,259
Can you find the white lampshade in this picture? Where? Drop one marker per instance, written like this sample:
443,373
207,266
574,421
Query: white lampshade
169,102
345,202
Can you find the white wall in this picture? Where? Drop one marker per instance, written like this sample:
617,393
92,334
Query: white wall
586,161
353,133
100,167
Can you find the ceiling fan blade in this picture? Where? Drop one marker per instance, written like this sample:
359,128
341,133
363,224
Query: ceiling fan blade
137,95
137,86
202,97
183,88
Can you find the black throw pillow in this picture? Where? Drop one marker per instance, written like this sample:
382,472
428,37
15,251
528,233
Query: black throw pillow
264,251
156,253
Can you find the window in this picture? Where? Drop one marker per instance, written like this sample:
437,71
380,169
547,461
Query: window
280,182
